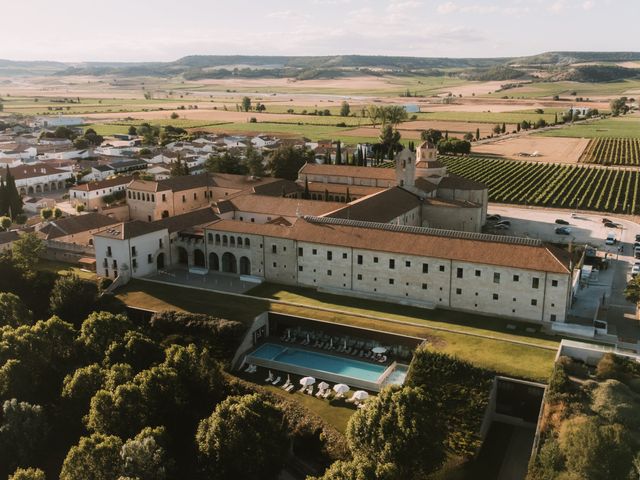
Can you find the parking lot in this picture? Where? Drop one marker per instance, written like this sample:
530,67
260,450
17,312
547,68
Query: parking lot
587,228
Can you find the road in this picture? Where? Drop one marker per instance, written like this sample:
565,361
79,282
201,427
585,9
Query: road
587,228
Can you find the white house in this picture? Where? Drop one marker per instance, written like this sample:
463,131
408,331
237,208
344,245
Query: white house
91,194
38,178
59,121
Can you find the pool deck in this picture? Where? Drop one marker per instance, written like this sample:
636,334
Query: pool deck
388,366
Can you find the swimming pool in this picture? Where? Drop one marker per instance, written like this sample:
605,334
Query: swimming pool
330,367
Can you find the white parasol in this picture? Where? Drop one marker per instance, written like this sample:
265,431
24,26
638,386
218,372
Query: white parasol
379,350
360,395
341,388
306,381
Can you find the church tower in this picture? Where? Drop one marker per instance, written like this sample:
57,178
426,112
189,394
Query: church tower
427,164
406,169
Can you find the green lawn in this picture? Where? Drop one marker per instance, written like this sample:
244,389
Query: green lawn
64,269
620,127
488,117
497,354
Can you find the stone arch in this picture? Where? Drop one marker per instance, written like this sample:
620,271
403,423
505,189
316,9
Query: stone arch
198,258
245,266
30,191
239,242
214,262
247,243
225,240
183,256
38,188
60,185
45,188
229,263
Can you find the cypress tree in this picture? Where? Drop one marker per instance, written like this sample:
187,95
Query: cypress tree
326,195
14,200
338,153
446,135
4,201
504,128
477,134
306,194
348,199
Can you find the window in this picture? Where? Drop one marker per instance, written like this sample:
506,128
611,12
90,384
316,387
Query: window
225,240
552,318
160,243
329,255
300,268
425,268
392,263
391,281
458,291
478,273
217,239
133,251
149,258
496,277
375,259
329,273
115,264
232,241
275,264
128,194
359,259
534,302
210,237
164,197
442,268
195,196
153,197
274,249
535,283
554,283
516,278
407,264
344,256
424,286
246,243
106,273
239,241
359,276
184,198
135,264
108,251
314,251
459,273
495,296
300,251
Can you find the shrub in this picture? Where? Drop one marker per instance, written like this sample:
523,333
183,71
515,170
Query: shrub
616,403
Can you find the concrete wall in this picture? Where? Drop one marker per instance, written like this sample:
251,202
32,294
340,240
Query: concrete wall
466,219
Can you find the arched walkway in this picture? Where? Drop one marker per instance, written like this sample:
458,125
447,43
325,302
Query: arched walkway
214,262
229,263
60,185
38,188
46,187
198,258
183,256
30,190
160,261
245,266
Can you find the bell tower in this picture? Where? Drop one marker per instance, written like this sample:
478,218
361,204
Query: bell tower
405,169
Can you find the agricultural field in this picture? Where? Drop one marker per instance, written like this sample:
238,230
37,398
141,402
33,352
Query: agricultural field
613,151
552,185
627,126
541,149
518,116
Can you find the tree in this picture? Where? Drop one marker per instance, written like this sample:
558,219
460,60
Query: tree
504,128
5,223
26,252
393,115
28,474
477,134
227,163
46,214
236,423
80,386
246,104
403,428
13,312
132,130
101,329
497,129
431,136
338,153
618,106
632,292
389,140
13,199
23,433
174,115
345,109
179,168
254,161
120,412
287,160
73,298
57,213
144,457
468,136
96,457
356,469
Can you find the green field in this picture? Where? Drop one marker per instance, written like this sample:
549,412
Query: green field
489,117
612,151
552,185
497,353
565,89
626,126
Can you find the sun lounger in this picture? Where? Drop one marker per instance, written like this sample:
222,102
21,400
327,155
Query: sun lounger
302,389
249,368
269,378
309,390
253,369
286,385
320,393
327,393
290,387
276,381
351,400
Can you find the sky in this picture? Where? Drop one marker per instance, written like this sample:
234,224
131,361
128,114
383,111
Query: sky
165,30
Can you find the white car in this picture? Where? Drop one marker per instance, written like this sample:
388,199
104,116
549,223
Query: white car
611,239
635,270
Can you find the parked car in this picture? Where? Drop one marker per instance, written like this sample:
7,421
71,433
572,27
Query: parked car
637,238
501,226
494,217
504,222
611,225
611,239
560,221
635,270
563,231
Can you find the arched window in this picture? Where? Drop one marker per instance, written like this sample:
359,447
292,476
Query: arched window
246,242
224,240
239,241
129,193
153,197
217,239
232,241
210,237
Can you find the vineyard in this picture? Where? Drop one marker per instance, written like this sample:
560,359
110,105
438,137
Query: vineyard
551,185
612,151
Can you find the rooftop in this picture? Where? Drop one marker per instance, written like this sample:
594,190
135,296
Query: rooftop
111,182
380,207
348,171
75,224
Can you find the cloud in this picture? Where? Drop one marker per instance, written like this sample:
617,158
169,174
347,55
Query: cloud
588,5
478,9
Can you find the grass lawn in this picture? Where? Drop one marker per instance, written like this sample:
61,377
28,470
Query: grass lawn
625,126
532,362
488,117
64,269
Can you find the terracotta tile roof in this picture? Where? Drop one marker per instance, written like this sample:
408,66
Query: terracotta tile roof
204,216
347,171
32,171
8,237
380,207
460,183
425,185
279,206
126,230
430,164
276,188
111,182
341,188
75,224
467,247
